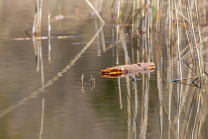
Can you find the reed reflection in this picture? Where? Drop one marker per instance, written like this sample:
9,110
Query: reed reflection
59,74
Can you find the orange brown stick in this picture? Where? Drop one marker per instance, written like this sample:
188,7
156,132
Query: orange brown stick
127,69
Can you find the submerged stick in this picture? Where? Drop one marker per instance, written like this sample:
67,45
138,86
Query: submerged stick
127,70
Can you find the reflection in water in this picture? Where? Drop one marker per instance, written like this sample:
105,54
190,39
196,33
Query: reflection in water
159,61
119,89
43,99
50,82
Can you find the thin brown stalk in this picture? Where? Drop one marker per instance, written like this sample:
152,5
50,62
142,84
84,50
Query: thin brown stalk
157,18
40,12
132,31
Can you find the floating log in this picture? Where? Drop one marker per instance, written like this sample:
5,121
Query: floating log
127,70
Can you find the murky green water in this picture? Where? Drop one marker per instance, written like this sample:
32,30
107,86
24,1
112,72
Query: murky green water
42,97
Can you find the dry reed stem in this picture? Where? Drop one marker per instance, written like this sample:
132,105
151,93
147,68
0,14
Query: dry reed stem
179,59
157,18
40,12
132,32
117,24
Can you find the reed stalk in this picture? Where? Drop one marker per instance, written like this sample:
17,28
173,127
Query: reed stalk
38,17
112,8
157,18
49,36
34,21
179,59
117,24
40,12
132,31
169,22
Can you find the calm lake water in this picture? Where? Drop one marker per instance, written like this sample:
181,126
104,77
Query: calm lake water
41,95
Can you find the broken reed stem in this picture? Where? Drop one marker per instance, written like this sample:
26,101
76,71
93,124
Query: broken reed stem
98,15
